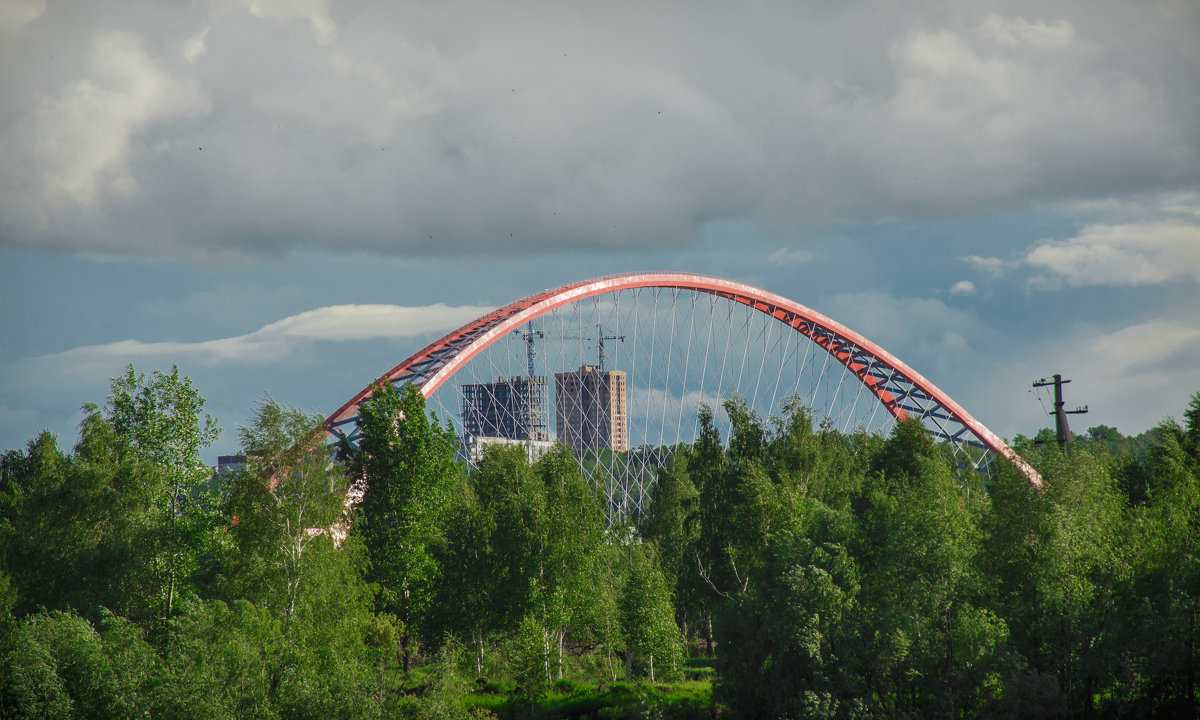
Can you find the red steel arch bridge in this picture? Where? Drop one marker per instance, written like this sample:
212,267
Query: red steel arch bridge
617,366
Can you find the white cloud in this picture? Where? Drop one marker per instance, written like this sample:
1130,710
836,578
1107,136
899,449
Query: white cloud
660,405
897,321
314,12
1139,374
1147,346
962,287
368,322
337,323
1132,254
1126,242
993,266
951,346
1183,205
1019,31
789,256
194,47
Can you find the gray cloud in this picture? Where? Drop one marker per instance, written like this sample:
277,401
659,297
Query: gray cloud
16,14
504,128
930,336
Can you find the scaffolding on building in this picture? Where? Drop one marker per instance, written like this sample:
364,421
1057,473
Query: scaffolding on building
510,407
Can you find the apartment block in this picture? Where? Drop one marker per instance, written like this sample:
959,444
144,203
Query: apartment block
510,407
590,409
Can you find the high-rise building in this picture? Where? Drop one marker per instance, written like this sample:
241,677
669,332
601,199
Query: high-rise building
512,408
589,409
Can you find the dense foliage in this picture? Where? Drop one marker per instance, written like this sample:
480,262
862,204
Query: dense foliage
817,573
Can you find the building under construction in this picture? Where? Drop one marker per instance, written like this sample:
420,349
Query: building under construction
589,409
514,408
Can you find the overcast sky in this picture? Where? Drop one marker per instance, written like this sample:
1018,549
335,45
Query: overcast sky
288,197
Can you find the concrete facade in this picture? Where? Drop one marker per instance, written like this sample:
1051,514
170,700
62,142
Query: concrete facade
590,409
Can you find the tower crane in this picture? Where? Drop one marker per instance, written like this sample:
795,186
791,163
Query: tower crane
602,354
528,336
600,343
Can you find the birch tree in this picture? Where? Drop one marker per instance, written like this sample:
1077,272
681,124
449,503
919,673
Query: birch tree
160,422
288,497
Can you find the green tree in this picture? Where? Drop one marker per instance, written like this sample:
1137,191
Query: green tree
567,545
1191,417
1160,631
56,669
531,655
407,462
225,661
95,528
1057,558
512,506
140,682
8,622
821,464
42,546
789,648
160,423
62,667
540,531
468,600
599,623
713,525
929,643
294,560
289,497
738,505
671,525
444,694
647,614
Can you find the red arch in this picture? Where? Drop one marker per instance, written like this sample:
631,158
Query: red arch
894,383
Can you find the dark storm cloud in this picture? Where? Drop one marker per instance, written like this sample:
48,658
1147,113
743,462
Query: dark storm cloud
211,130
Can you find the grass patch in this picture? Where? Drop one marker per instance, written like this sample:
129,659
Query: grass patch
700,669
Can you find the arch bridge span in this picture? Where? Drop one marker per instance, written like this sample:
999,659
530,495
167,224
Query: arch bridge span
894,386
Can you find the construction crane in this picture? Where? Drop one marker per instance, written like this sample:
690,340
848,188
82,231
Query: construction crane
600,344
528,336
602,354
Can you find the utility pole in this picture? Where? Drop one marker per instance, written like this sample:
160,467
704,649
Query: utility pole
1062,431
528,336
600,343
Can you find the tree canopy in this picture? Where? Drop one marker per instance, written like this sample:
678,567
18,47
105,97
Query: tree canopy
805,572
